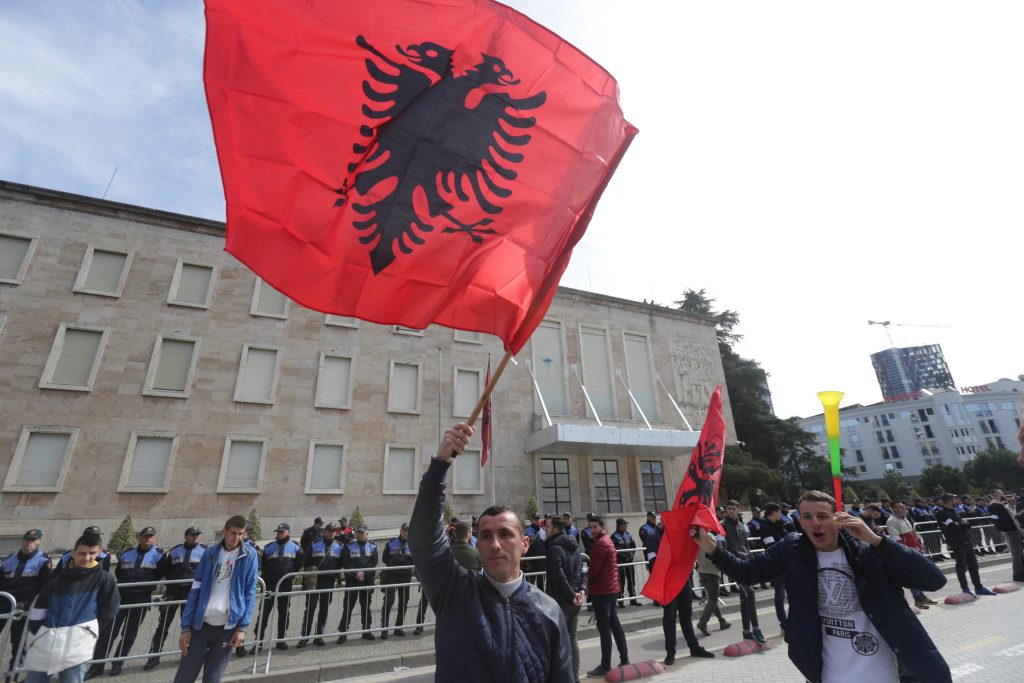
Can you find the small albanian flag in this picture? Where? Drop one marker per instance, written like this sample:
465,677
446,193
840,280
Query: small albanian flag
408,161
694,506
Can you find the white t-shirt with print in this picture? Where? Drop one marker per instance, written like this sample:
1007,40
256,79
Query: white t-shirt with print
852,649
217,608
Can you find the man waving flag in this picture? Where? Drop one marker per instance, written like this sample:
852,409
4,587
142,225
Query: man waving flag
408,161
694,505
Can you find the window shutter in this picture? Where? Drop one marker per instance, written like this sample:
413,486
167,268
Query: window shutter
597,376
327,461
638,365
105,271
258,382
333,385
149,464
549,366
194,284
12,255
404,394
401,469
270,301
174,362
77,356
243,465
341,320
467,471
44,456
467,391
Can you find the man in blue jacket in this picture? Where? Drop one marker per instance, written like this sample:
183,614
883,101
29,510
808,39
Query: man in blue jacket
848,617
219,606
507,631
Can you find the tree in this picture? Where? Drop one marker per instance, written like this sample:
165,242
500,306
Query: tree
882,493
940,479
850,495
995,468
743,476
448,513
894,482
532,508
356,521
124,538
253,520
725,321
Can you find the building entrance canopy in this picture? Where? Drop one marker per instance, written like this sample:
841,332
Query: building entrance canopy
607,440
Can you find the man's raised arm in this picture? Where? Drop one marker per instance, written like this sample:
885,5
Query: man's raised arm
431,553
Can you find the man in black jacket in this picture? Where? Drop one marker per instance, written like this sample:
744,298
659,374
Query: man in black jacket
958,537
23,575
324,555
1006,524
736,535
397,555
507,631
772,532
565,580
359,558
625,550
848,617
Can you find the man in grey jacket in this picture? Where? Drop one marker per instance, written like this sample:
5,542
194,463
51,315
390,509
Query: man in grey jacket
736,535
507,630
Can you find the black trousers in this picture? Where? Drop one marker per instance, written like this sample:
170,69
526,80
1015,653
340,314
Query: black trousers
282,612
627,581
365,599
389,600
128,621
317,605
421,611
966,561
167,612
681,607
608,627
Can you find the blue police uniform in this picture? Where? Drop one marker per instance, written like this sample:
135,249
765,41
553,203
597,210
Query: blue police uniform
623,540
358,557
179,564
103,558
324,555
279,558
133,566
396,554
23,576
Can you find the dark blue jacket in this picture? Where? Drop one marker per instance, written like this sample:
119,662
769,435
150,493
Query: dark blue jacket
880,572
564,568
521,639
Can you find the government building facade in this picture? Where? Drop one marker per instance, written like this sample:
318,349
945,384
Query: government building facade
147,372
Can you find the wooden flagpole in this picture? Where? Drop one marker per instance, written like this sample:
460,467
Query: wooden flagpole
471,420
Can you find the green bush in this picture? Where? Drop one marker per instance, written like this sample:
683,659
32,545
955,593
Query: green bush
124,538
356,519
253,520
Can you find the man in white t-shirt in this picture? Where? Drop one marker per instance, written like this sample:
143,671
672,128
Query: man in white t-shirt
848,617
219,607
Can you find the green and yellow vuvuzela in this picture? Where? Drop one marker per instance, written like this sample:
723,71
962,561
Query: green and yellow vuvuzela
830,400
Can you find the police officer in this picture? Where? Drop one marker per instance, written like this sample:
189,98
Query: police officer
396,554
358,558
570,528
23,575
103,558
586,538
280,557
312,534
532,563
179,564
324,556
137,565
345,534
623,541
241,651
650,536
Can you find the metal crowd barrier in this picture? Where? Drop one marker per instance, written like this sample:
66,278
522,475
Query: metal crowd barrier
984,537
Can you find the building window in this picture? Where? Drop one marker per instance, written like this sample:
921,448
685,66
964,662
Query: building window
400,468
928,432
468,473
103,272
74,357
992,425
191,285
597,373
652,478
889,437
40,459
15,254
241,468
148,462
608,495
895,451
399,329
325,470
404,388
257,375
860,455
549,366
881,437
469,386
341,320
862,468
267,302
469,337
171,367
554,484
639,377
1000,443
334,381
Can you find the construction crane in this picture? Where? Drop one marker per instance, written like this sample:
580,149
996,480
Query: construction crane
887,323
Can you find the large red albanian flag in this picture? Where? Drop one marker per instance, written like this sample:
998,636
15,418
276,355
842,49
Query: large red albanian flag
405,161
694,506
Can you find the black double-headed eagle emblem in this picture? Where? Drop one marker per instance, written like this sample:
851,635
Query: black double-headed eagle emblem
430,139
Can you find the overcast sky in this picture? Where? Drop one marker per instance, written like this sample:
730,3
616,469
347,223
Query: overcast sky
812,165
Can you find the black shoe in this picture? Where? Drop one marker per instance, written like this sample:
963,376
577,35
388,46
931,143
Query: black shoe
115,668
747,635
319,642
240,651
723,624
399,632
369,636
599,672
151,663
94,671
724,592
624,661
418,630
301,644
282,646
759,637
383,635
635,603
341,639
703,628
670,658
701,652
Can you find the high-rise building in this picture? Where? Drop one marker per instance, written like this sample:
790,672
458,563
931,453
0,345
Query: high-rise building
903,372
